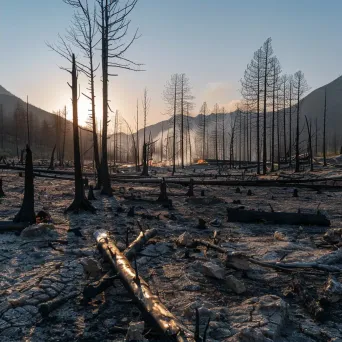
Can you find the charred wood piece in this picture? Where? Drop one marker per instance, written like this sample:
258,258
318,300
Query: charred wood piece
251,216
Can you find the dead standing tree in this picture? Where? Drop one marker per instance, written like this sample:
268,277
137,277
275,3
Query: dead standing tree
26,213
324,128
300,87
146,106
83,35
171,93
80,202
251,91
113,26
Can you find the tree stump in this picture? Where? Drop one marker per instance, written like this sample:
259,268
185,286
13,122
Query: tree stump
91,196
2,194
163,194
190,192
295,193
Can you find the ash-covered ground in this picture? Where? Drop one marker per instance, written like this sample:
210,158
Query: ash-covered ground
255,304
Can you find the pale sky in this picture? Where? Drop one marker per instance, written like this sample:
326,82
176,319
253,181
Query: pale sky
210,40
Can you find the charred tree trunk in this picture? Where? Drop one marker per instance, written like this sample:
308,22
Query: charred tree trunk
52,160
26,213
145,163
324,129
2,194
80,202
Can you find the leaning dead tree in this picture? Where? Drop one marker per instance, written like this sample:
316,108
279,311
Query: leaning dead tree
26,213
113,25
83,36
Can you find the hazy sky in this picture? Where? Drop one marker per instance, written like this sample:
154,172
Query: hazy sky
210,40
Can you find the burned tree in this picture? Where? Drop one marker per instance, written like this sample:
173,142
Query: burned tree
146,105
83,35
309,128
52,160
26,213
300,87
276,70
171,93
80,202
2,194
266,62
202,129
251,86
324,128
113,25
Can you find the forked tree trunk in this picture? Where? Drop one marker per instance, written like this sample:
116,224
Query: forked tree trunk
26,213
80,202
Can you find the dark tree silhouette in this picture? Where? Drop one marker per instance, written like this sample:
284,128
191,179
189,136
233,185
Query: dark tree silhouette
146,106
308,126
324,128
52,160
251,91
2,194
80,202
83,35
26,213
113,24
267,53
300,87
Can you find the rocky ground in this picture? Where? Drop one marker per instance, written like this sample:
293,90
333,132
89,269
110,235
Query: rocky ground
57,261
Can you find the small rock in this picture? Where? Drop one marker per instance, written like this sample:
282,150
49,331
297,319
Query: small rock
333,290
185,240
333,235
235,284
216,223
237,261
39,230
213,270
91,267
135,332
280,236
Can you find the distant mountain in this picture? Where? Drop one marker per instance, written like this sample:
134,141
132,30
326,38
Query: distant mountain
313,106
10,102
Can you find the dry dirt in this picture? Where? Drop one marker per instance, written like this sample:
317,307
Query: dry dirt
37,269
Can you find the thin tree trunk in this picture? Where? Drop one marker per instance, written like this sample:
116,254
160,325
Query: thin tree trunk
174,127
26,213
80,202
324,129
106,184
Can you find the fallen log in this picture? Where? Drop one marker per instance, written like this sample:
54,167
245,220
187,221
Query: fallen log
92,290
9,226
156,313
239,260
247,183
253,216
46,308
